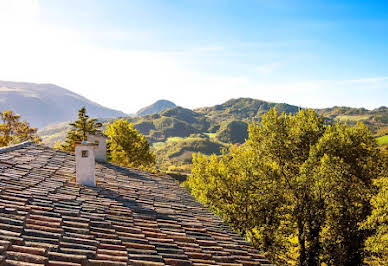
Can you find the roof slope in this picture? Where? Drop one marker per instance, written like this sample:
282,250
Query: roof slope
131,217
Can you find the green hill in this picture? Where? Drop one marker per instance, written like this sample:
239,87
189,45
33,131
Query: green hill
155,108
243,109
376,119
176,153
174,122
233,132
196,120
176,133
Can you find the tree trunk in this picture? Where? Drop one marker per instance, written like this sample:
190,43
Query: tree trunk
314,248
302,244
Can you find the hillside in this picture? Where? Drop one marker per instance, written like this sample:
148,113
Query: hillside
45,104
233,132
376,119
176,133
155,108
243,109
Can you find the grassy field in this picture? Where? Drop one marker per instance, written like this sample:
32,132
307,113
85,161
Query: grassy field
382,131
176,139
212,136
354,118
161,144
158,145
382,140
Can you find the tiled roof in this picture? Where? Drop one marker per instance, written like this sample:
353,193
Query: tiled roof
131,217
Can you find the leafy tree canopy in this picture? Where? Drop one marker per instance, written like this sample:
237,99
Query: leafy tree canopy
12,131
127,147
377,244
298,188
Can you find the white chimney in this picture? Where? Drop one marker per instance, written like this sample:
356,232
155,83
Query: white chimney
84,163
100,152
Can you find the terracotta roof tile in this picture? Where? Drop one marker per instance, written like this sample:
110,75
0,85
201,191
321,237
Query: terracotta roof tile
130,217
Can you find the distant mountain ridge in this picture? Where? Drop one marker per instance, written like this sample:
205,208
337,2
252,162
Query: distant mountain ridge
44,104
176,133
244,109
156,108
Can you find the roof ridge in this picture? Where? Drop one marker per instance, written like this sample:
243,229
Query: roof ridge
15,146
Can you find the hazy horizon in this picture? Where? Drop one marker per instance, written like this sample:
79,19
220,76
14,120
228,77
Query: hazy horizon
128,54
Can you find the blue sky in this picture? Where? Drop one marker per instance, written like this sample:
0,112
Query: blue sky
127,54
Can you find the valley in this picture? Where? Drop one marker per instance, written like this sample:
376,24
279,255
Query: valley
176,133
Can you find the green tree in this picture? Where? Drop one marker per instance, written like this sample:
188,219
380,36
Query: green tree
377,244
237,186
284,142
80,129
127,147
341,168
13,131
269,166
297,186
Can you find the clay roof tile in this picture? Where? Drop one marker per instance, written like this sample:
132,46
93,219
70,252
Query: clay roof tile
130,218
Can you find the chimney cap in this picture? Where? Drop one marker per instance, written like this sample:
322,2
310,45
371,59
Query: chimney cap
86,143
98,135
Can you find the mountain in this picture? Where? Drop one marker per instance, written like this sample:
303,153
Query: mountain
155,108
44,104
173,122
243,109
176,133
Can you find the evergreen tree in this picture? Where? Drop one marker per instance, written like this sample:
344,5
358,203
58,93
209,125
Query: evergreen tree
127,147
80,130
13,131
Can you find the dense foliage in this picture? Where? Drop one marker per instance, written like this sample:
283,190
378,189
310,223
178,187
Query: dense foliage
127,147
298,188
377,244
80,129
13,131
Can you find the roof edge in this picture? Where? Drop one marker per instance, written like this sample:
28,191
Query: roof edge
15,146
